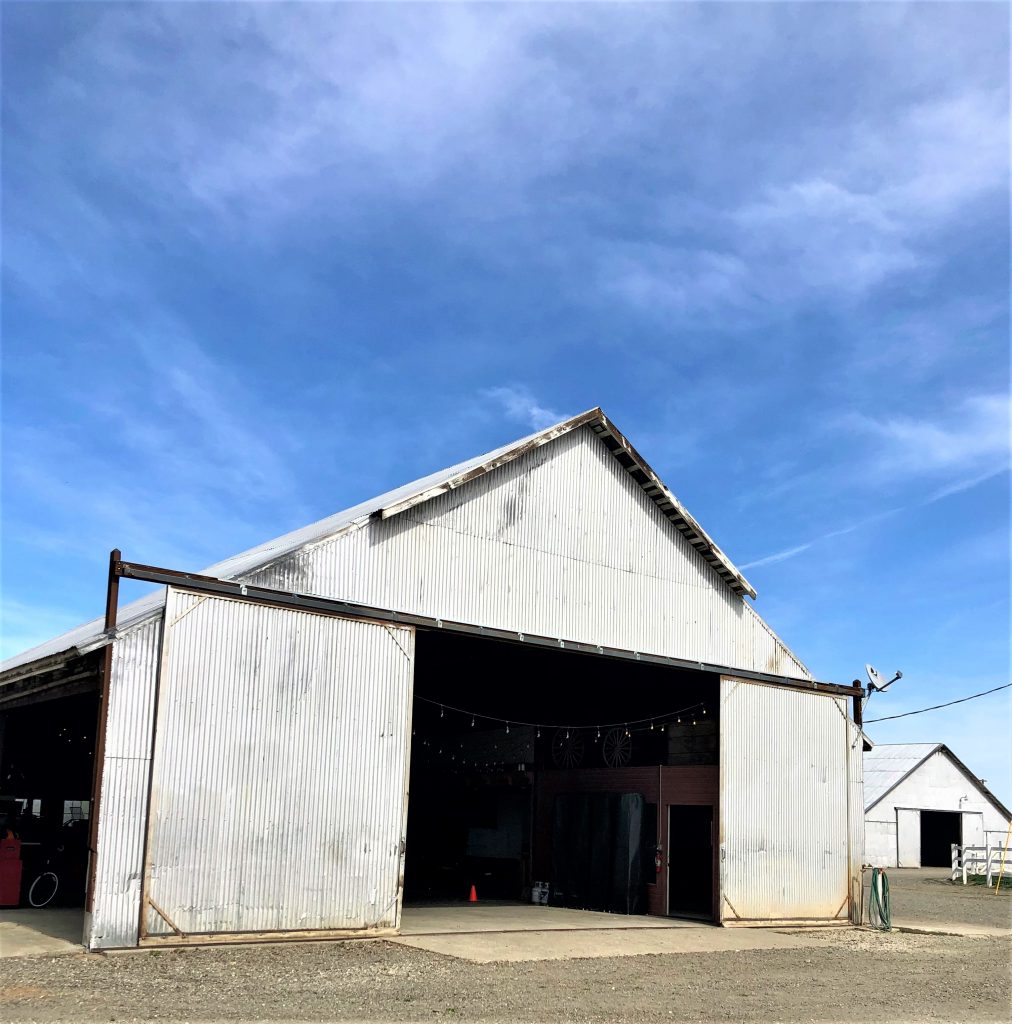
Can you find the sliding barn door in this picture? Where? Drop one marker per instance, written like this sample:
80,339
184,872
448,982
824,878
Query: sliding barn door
784,835
278,790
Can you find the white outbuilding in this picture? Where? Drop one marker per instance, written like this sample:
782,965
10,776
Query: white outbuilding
534,673
919,800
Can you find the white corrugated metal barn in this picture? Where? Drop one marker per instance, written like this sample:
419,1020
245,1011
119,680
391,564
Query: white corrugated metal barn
919,800
534,666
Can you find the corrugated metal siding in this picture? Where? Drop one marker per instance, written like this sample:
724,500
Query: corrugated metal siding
855,815
278,794
116,911
560,542
783,803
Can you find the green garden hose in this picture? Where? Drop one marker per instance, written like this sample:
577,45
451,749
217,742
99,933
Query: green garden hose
879,910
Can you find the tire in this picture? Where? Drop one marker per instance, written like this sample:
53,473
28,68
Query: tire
43,889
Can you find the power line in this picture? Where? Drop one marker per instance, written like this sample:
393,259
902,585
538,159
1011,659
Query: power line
961,700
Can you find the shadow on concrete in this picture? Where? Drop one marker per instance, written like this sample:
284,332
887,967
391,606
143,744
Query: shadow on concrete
28,932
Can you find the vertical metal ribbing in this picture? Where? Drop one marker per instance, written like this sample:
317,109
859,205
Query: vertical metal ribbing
785,833
278,790
560,542
126,764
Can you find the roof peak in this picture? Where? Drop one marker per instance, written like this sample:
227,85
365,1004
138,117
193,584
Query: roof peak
416,492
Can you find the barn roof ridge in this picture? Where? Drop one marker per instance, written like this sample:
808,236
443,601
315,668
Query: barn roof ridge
91,635
919,753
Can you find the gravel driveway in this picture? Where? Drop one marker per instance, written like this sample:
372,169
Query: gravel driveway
848,976
842,975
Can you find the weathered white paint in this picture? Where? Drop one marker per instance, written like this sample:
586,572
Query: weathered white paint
561,542
908,837
114,919
784,829
855,819
278,795
936,783
972,828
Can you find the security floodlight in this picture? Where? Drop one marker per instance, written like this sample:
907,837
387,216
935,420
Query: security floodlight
875,681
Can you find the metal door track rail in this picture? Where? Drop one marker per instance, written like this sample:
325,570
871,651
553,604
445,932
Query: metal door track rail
330,606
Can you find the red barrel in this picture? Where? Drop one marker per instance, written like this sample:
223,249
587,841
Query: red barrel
10,872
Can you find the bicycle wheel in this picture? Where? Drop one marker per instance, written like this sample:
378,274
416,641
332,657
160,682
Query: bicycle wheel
43,889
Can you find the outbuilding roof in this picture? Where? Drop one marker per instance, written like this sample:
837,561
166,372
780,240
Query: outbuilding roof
886,765
92,635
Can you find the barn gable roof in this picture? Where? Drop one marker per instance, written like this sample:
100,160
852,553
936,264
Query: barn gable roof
91,635
887,764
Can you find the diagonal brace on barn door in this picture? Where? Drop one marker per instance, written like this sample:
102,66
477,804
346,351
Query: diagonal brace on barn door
397,640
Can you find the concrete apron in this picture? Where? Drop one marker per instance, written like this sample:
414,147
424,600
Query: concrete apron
27,932
490,933
482,933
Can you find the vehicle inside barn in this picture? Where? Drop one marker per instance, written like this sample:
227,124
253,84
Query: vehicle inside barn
47,756
541,774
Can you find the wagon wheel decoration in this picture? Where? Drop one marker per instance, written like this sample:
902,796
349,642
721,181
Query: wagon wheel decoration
617,748
567,748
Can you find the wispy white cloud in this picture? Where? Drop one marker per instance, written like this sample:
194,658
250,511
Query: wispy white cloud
24,625
191,461
798,549
940,494
324,112
520,405
971,438
854,218
673,281
966,484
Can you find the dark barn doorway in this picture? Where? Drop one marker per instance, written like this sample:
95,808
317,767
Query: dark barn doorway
47,758
535,772
939,830
690,861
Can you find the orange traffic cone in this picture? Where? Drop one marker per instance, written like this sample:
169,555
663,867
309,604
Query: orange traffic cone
473,898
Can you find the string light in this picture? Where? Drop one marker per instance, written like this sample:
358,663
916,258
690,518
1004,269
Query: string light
649,722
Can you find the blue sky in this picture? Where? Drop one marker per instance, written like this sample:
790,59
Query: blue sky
264,261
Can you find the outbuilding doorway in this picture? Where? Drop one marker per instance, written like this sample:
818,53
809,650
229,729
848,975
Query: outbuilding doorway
939,831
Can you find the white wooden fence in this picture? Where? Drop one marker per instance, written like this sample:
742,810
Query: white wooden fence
979,860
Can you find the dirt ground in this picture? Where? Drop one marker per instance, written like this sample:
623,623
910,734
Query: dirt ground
845,975
927,895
